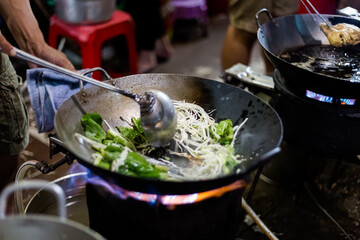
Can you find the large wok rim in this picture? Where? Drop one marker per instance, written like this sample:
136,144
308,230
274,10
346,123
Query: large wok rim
186,186
274,20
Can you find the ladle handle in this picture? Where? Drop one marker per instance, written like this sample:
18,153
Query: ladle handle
30,58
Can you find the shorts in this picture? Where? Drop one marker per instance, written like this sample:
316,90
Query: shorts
14,126
242,12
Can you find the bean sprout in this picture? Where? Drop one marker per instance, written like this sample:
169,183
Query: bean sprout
193,140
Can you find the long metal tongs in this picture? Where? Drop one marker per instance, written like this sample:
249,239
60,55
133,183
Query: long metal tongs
316,11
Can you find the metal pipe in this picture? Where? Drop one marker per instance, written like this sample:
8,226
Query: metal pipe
257,220
19,177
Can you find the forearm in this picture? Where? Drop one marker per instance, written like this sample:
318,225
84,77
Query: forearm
22,23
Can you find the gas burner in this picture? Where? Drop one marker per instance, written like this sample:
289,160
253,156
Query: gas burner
318,157
316,122
114,211
344,102
321,125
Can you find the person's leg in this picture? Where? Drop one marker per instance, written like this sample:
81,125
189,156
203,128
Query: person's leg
241,33
236,47
149,27
14,134
163,48
8,169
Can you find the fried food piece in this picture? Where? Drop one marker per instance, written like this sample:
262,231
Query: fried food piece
341,34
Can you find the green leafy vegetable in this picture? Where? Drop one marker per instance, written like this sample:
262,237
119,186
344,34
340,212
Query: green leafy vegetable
105,165
112,152
230,162
224,132
137,124
119,139
139,165
92,125
94,116
134,134
110,146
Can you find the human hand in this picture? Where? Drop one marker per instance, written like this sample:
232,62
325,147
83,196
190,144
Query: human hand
52,55
19,18
6,47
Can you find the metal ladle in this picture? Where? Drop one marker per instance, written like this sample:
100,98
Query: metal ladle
157,112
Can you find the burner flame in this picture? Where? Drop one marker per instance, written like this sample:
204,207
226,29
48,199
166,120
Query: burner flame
169,200
152,199
327,99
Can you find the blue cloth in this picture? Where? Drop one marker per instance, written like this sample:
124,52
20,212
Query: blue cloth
48,90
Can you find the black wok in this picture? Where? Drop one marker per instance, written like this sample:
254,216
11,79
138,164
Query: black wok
289,32
259,139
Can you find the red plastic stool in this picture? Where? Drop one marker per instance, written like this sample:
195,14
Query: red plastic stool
91,37
322,6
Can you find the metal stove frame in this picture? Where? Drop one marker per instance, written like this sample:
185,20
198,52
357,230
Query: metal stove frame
56,146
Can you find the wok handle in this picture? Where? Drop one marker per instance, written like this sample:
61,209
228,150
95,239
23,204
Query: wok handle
34,184
263,10
91,70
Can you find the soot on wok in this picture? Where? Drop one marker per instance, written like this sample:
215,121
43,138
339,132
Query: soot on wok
339,62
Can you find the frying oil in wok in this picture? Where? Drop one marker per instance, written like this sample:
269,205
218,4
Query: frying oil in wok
339,62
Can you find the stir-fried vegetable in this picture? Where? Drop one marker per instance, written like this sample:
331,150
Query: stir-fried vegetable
206,144
134,134
115,151
224,133
92,126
